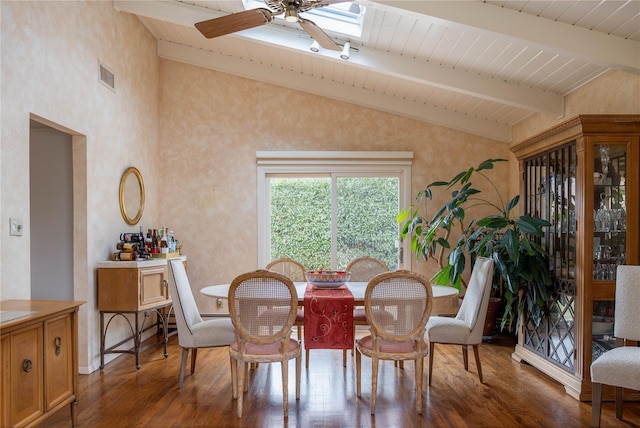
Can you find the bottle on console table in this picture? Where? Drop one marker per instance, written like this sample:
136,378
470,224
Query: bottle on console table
164,244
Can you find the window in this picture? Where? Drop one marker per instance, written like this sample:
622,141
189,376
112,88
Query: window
326,208
345,18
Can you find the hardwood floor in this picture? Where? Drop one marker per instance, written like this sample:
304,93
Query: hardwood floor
513,395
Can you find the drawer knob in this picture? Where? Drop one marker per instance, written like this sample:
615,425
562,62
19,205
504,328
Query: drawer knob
27,365
57,342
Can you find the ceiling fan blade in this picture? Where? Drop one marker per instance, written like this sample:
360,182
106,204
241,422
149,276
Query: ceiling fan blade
318,34
235,22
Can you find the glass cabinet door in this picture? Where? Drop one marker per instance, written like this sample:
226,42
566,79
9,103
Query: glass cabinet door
609,213
609,238
550,193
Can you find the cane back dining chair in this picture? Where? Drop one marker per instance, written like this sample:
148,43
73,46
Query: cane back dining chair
193,331
363,269
620,367
466,328
408,297
262,335
295,271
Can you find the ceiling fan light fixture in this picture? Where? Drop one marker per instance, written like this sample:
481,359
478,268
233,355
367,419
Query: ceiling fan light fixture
291,15
345,51
315,46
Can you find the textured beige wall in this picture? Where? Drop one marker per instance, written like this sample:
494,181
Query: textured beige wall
213,123
615,92
50,54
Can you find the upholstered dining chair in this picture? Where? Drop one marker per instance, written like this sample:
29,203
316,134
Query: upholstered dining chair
262,338
408,297
620,367
193,331
466,328
295,271
363,269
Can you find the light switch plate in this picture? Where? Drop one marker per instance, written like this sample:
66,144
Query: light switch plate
15,226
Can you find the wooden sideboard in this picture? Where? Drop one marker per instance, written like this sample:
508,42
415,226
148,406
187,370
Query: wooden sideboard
134,287
39,355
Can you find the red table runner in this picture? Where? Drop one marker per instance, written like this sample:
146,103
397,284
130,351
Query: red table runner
328,318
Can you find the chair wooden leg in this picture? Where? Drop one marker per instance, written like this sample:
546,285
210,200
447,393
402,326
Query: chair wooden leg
344,358
245,384
298,364
374,383
419,369
234,378
241,381
285,386
619,401
596,404
465,357
354,340
358,371
306,358
183,365
194,354
477,356
431,349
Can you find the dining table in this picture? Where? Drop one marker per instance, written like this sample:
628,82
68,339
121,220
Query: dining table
357,289
328,313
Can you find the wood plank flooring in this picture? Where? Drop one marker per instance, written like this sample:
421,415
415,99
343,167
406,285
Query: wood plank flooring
513,395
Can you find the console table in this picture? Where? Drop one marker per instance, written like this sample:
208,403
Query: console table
134,287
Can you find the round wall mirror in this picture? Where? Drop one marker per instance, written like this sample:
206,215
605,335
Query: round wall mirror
131,195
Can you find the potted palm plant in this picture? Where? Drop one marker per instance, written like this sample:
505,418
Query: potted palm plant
522,279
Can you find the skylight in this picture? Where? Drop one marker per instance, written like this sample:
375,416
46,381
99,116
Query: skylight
342,18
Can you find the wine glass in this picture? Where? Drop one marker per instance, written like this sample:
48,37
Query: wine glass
603,217
604,159
622,255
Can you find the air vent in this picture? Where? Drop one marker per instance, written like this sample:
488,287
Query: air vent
107,77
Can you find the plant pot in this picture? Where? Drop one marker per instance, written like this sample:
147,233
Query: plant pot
492,315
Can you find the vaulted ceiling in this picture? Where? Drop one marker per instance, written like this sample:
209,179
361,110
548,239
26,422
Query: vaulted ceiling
475,66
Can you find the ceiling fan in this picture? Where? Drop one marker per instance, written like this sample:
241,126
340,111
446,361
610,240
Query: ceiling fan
255,17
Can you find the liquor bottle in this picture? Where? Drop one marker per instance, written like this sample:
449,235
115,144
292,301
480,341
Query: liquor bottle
172,242
147,241
154,242
164,245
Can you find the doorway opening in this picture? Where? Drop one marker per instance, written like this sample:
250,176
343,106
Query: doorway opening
51,217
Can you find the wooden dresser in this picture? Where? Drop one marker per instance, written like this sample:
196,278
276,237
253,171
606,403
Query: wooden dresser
39,354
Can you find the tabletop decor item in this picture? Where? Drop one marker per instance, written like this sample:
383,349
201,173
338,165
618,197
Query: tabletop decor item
521,275
327,278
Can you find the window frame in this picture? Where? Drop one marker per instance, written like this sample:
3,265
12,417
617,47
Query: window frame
333,164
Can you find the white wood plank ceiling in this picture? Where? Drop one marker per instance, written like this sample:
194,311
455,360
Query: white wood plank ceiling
475,66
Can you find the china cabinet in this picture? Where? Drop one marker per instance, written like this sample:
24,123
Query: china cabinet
583,176
39,355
